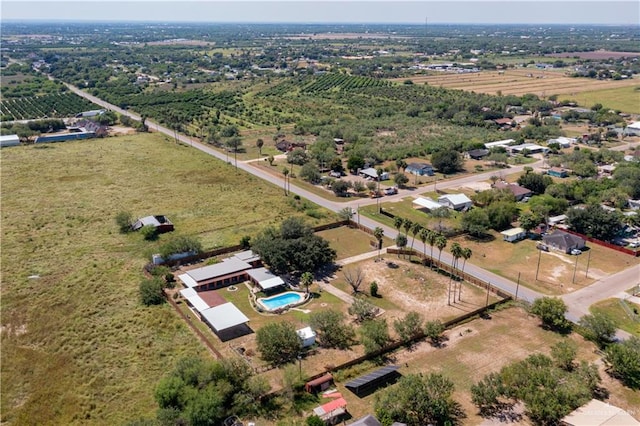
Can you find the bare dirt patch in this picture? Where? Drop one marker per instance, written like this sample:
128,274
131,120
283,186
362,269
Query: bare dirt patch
407,286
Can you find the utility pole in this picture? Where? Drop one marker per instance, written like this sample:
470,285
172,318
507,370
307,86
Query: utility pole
538,268
575,267
586,273
517,286
488,288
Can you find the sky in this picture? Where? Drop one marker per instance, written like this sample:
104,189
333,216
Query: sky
326,11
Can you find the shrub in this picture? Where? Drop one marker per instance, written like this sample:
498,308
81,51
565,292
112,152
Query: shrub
149,232
373,289
180,244
124,221
151,291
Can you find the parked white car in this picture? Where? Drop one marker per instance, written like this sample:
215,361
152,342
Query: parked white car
576,252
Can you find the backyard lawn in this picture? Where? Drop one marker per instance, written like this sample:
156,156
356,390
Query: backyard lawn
478,348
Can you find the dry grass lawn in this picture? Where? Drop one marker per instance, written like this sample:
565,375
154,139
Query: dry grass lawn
77,346
481,347
556,271
520,81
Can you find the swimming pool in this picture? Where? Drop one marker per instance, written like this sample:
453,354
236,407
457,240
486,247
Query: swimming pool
281,300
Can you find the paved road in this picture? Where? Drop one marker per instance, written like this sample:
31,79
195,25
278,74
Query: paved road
578,302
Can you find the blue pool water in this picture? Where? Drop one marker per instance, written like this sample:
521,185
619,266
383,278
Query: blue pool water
281,300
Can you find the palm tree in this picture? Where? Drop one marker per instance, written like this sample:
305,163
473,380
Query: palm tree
285,172
306,280
415,230
466,255
401,242
431,239
378,233
397,222
424,235
441,243
407,224
456,252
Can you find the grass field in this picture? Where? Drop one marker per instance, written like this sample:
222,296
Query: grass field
625,319
543,83
77,347
625,99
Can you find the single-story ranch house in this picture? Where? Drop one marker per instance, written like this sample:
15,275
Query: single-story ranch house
519,192
478,154
372,173
420,169
513,234
232,270
563,241
557,172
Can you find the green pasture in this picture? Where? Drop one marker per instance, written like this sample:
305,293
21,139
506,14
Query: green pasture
625,99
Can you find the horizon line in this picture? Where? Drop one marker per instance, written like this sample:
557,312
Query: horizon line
134,21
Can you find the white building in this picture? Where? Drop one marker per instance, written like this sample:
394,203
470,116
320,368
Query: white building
564,142
505,143
9,140
633,129
426,203
455,201
513,234
307,336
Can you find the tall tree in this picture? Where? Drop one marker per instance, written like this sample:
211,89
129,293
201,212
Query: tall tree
398,222
306,279
332,330
423,235
456,252
466,255
278,342
419,400
374,335
599,328
431,239
260,144
415,230
441,243
285,172
378,233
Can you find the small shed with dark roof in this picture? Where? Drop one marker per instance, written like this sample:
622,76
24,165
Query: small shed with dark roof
363,385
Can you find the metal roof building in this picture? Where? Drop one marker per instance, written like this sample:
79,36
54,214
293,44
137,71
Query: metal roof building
224,317
426,203
363,384
265,279
9,140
